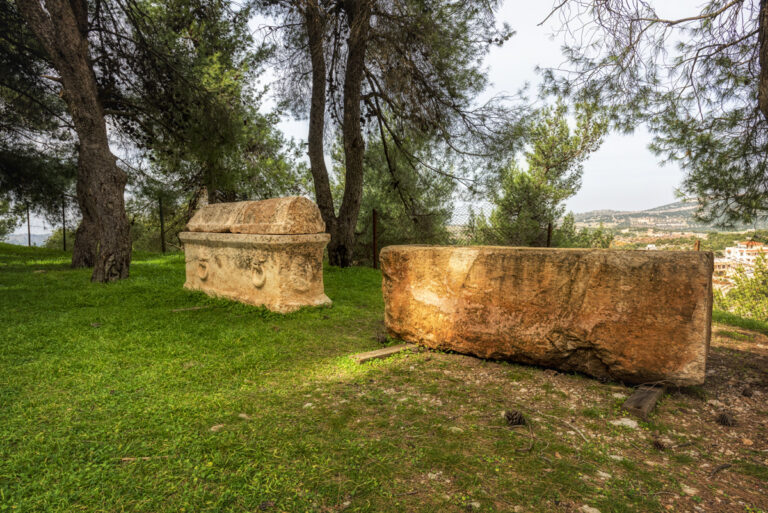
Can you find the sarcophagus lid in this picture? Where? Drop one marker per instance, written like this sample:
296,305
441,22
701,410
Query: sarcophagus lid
293,215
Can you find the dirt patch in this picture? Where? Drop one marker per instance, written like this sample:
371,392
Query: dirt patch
577,447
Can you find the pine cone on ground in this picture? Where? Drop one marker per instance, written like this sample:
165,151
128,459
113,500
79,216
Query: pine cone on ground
514,418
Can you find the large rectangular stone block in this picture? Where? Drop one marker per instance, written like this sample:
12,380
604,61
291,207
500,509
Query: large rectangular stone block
634,316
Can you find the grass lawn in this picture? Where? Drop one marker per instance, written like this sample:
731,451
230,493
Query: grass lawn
111,401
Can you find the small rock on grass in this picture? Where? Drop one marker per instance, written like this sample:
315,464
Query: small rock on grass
244,416
474,506
588,509
266,505
455,429
688,490
625,422
217,427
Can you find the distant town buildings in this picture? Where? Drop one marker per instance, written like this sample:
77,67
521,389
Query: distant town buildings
743,254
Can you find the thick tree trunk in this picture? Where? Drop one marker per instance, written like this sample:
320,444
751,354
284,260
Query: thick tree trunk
314,19
61,27
86,244
343,237
762,83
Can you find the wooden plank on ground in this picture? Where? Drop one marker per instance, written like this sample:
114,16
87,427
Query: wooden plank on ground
383,353
643,400
190,309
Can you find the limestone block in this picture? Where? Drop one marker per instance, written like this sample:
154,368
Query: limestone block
258,252
633,316
276,216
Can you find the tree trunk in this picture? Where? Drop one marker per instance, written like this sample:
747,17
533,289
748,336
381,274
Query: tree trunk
86,244
762,83
315,23
343,236
61,27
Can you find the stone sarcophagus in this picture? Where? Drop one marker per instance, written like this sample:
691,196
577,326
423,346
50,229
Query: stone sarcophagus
634,316
258,252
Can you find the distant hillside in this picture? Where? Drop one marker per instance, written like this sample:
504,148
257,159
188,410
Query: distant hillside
674,216
20,239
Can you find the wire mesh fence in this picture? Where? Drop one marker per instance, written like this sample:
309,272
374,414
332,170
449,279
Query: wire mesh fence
461,226
455,226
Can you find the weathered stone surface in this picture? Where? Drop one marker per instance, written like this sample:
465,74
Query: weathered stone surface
276,216
259,252
281,272
633,316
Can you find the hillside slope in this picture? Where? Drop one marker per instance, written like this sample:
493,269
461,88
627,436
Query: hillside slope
673,216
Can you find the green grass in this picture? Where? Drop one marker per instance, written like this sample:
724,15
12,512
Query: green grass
740,322
107,400
753,469
736,335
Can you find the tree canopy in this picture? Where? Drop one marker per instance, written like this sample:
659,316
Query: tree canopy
171,82
700,82
530,201
380,70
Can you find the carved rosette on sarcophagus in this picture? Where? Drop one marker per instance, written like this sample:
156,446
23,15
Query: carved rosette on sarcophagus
266,253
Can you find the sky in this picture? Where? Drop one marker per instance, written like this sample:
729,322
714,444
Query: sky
623,174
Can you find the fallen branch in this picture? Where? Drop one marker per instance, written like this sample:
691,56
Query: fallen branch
720,468
566,423
189,309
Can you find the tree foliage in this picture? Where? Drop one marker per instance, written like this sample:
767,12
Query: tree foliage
411,207
749,295
700,82
37,162
9,218
173,81
567,236
382,69
528,202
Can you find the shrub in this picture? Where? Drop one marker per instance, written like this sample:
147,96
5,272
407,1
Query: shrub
749,295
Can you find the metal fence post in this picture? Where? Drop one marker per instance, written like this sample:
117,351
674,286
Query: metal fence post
162,224
64,221
29,229
375,252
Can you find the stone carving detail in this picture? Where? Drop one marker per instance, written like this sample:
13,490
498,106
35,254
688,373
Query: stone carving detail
202,270
280,268
634,316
